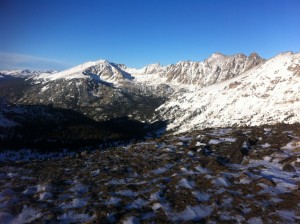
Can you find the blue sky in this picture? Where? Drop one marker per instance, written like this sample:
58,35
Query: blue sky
57,34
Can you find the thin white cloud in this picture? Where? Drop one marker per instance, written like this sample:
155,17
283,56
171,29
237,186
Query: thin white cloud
24,61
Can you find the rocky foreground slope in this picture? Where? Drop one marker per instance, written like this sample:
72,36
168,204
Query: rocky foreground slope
223,175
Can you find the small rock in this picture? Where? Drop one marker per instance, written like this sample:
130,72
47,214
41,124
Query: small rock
288,168
252,141
297,164
206,151
95,172
84,153
222,160
288,160
266,181
236,157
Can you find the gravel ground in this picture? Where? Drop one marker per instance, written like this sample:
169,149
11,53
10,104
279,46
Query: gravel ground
228,175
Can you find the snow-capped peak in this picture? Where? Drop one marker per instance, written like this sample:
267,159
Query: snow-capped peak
74,72
80,68
100,70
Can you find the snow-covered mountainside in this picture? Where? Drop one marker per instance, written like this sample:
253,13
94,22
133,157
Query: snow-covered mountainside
266,94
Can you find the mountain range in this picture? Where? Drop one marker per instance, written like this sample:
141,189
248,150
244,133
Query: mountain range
221,91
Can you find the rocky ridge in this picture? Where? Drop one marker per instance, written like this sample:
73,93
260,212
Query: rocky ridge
215,69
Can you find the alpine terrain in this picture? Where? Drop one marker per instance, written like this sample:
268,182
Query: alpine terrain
216,141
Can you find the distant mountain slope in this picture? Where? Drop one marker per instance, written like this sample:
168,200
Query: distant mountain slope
266,94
